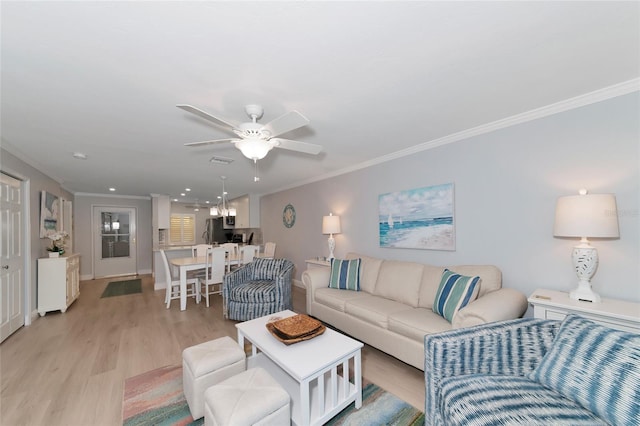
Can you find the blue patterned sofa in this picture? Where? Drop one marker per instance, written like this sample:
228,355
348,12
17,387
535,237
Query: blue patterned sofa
533,372
259,288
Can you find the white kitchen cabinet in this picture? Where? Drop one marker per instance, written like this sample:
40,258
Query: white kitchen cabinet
161,211
58,282
247,211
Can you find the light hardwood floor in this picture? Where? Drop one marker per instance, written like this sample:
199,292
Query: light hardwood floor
69,369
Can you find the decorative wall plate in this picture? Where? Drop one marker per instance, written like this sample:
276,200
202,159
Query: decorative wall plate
289,216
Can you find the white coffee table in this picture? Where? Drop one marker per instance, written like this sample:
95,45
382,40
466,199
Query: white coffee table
308,370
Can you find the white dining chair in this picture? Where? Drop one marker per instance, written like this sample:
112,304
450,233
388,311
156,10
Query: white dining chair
214,272
233,254
269,250
248,253
173,283
200,249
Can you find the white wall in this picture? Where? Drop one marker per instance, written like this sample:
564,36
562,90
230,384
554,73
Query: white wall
506,186
82,212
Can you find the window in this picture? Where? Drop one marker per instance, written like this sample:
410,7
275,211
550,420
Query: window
183,229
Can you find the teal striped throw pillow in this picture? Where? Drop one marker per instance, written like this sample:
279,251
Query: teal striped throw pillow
345,274
595,366
454,293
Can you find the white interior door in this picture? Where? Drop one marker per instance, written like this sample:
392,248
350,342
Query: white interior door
11,252
114,241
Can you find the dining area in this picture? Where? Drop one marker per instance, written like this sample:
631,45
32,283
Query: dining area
198,271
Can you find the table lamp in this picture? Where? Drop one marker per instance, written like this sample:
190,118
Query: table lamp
586,216
331,225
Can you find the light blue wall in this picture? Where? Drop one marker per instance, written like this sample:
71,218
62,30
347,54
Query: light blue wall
506,186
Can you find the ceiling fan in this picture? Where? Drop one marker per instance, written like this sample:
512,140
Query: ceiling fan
256,140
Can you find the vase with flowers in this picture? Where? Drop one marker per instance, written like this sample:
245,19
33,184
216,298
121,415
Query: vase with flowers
58,240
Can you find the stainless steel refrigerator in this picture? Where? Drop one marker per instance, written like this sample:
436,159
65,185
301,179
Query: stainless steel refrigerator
214,231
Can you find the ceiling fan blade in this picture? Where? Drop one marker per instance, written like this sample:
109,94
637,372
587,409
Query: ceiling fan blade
307,148
228,124
285,123
211,142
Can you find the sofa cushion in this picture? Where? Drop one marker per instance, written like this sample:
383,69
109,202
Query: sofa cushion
369,268
266,269
490,276
373,309
454,293
335,298
429,285
415,323
400,281
255,291
507,400
345,274
595,366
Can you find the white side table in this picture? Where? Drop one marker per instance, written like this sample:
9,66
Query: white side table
315,263
618,314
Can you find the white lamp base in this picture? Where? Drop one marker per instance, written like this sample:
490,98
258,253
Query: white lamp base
332,246
583,292
585,262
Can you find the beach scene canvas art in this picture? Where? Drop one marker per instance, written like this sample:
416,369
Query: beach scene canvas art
421,218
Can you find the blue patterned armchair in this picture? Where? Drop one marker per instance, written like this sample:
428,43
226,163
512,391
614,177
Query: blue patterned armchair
488,374
259,288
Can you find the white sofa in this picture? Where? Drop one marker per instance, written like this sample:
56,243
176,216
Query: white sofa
393,309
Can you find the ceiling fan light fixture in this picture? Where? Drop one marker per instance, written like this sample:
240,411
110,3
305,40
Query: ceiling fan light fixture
254,149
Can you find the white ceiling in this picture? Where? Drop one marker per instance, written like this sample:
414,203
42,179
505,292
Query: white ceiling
374,78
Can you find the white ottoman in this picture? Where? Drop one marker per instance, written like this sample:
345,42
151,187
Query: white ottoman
206,364
249,398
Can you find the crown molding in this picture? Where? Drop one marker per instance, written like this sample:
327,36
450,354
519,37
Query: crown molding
133,197
596,96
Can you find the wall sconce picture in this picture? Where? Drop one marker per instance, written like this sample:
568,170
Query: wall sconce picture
419,218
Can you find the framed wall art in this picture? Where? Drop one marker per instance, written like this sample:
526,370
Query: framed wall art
49,214
421,218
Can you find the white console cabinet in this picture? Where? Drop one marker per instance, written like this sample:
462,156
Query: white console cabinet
58,282
618,314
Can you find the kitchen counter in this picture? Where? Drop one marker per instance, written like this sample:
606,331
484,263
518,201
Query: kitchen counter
171,248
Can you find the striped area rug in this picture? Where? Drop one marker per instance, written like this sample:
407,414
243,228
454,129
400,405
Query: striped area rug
156,398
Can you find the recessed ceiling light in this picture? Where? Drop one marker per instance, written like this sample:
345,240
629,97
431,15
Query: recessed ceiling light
207,202
112,189
175,200
79,156
187,189
182,194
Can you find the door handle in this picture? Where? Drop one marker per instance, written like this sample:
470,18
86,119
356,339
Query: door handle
5,267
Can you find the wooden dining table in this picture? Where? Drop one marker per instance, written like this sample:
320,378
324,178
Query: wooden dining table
186,264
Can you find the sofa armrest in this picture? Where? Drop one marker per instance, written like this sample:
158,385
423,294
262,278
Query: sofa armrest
312,279
499,305
283,285
233,279
513,347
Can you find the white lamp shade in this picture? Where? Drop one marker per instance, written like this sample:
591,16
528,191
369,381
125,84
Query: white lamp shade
213,211
586,216
331,224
